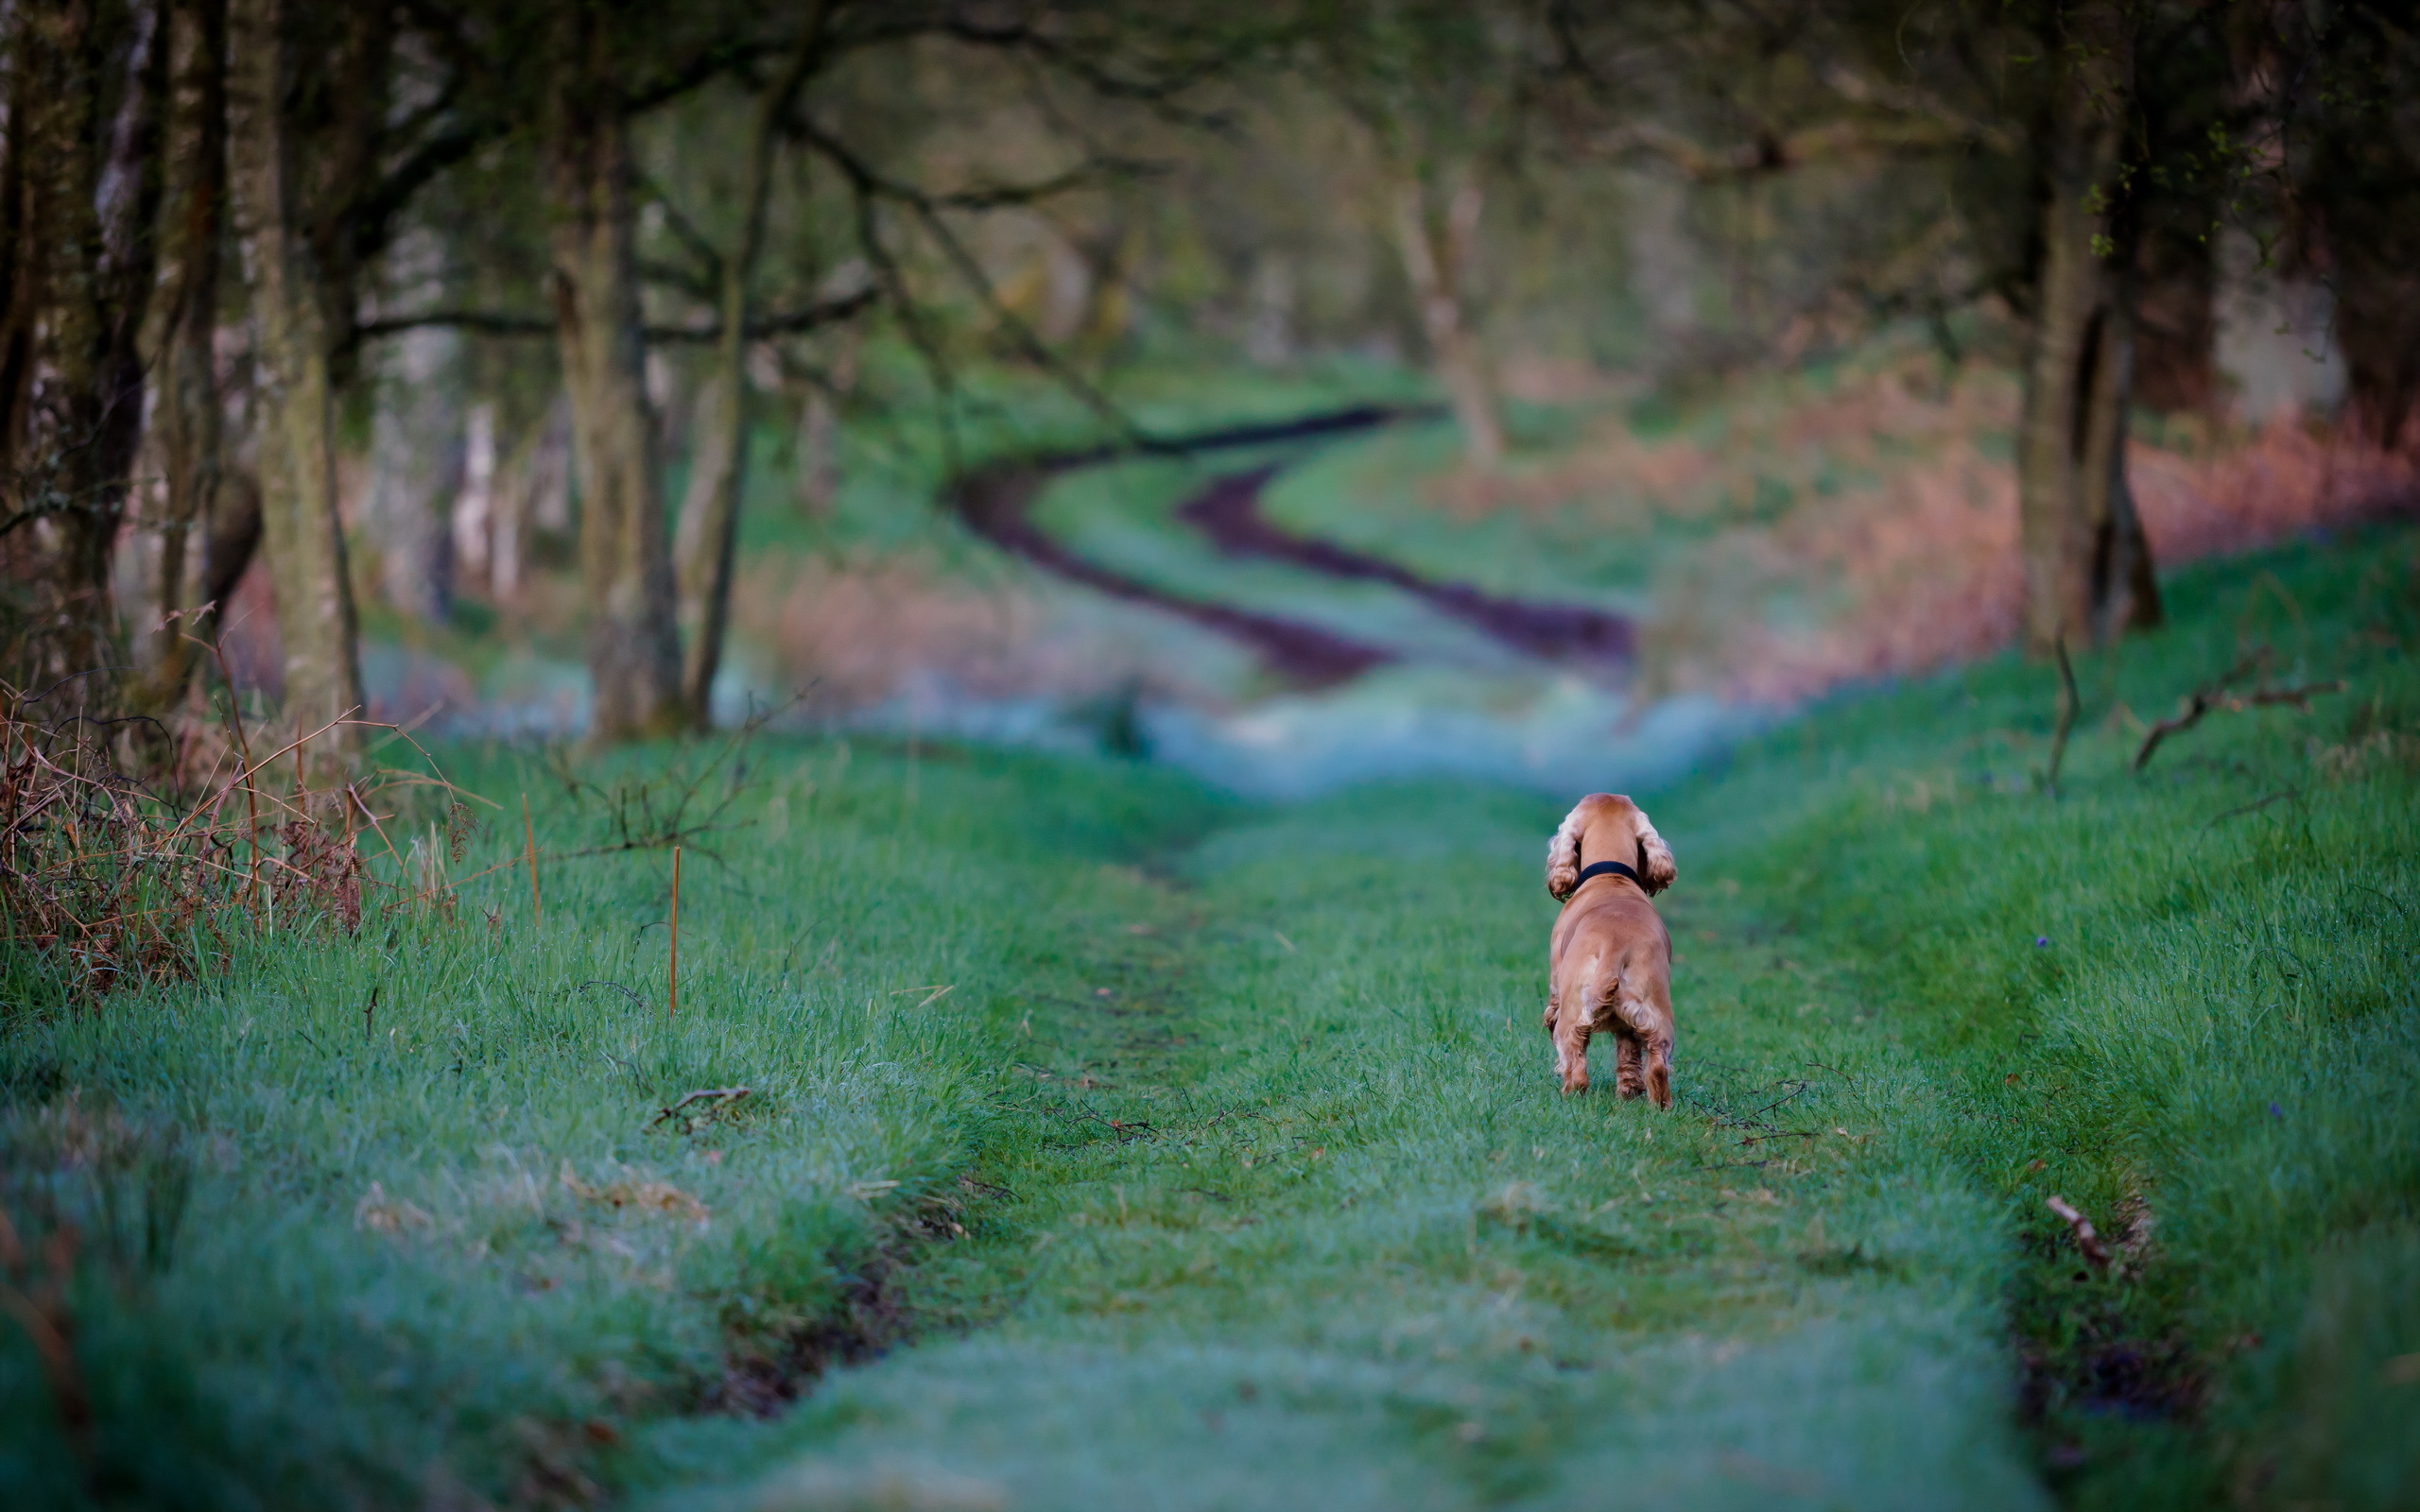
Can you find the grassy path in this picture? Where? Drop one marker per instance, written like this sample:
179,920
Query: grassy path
1228,1171
1306,1224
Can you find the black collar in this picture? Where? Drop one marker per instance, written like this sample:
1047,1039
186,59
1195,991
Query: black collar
1607,869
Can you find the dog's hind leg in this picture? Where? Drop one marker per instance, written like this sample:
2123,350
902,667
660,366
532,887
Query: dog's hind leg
1568,1017
1628,1079
1569,1020
1571,1053
1658,1055
1640,1004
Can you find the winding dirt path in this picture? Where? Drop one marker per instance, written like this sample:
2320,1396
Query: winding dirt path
996,502
1228,511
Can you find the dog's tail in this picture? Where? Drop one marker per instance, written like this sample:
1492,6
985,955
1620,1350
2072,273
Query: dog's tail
1621,990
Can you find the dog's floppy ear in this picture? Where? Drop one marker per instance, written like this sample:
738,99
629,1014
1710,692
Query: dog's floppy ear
1657,870
1563,855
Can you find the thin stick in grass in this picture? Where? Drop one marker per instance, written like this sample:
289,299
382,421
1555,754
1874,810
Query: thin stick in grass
672,992
2070,704
529,832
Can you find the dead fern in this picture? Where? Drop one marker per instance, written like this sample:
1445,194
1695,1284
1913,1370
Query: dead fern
107,880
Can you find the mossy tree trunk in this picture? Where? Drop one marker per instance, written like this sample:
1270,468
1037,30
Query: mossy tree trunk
89,82
293,392
2087,565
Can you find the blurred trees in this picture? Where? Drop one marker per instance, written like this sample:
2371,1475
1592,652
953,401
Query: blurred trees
2351,114
2090,151
245,244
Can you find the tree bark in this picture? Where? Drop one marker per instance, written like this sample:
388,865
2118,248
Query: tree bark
2088,567
187,410
1438,252
633,643
20,262
90,80
293,396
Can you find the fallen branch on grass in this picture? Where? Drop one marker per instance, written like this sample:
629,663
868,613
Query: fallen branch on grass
2214,697
2087,1238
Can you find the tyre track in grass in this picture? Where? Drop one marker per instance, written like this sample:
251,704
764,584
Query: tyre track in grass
1228,511
997,501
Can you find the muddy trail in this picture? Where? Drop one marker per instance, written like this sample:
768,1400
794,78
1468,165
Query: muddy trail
996,499
1228,511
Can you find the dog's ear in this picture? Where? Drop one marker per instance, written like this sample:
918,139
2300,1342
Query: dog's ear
1657,870
1562,855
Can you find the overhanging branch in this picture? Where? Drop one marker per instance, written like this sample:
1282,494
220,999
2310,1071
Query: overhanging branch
506,323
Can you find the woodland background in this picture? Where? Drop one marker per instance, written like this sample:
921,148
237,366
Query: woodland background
455,330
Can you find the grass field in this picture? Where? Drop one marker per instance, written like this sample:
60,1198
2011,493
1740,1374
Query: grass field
1228,1169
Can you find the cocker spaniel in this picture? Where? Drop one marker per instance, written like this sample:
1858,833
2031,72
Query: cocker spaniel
1610,966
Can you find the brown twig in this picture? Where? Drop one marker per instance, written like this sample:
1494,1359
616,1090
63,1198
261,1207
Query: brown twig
2070,702
2088,1239
530,833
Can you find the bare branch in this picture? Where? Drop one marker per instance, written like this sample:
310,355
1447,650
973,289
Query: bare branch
2214,697
504,323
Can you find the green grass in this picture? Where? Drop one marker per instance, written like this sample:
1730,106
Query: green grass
1266,1195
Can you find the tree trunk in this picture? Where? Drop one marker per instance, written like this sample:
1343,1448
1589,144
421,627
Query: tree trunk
1437,257
189,412
633,645
20,259
293,399
705,538
91,79
2088,572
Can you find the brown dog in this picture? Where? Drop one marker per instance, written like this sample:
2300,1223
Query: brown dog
1611,963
